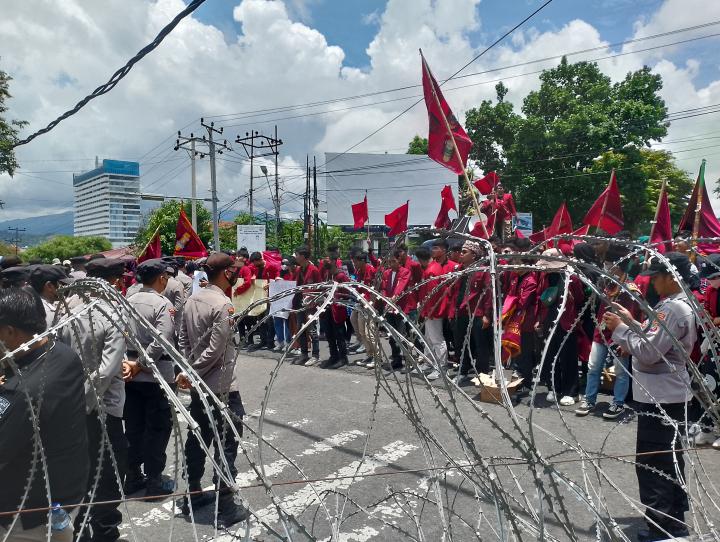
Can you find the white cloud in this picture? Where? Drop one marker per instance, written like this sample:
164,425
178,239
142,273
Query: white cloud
277,60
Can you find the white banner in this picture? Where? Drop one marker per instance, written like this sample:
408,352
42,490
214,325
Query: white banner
284,303
251,237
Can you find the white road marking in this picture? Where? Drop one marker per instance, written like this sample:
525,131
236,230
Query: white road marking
297,502
357,535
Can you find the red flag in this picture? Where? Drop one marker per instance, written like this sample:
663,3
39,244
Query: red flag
706,223
397,221
187,242
538,237
561,224
488,183
662,228
606,212
447,203
440,142
152,249
582,230
360,213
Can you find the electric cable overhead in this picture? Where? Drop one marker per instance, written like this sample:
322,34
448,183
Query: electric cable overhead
119,74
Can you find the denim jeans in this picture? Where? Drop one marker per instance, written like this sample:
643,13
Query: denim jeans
598,357
282,330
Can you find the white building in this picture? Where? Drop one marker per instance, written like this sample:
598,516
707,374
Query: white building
107,202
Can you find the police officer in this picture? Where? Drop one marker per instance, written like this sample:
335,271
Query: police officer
175,292
206,340
101,347
182,276
46,281
15,277
148,420
661,387
78,266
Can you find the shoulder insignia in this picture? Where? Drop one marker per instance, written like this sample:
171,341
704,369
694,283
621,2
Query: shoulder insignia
4,405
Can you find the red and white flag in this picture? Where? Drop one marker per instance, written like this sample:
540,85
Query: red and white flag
447,204
187,242
440,139
360,213
397,221
661,232
153,249
606,213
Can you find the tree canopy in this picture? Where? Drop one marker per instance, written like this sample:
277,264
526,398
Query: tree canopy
165,218
8,129
549,153
65,247
418,145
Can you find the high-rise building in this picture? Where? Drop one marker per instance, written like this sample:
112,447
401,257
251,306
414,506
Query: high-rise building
107,202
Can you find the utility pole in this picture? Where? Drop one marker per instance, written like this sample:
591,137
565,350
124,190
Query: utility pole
16,239
257,145
316,222
181,143
306,205
213,179
277,195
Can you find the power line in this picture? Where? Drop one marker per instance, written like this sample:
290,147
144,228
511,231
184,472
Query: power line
118,75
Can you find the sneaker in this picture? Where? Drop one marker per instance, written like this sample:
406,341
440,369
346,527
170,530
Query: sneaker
279,348
294,352
433,375
370,364
231,513
550,397
302,360
360,350
584,409
157,488
614,411
198,500
312,361
704,439
353,346
567,400
339,363
327,363
134,483
694,430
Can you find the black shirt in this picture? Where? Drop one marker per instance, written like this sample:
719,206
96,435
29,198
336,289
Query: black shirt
53,377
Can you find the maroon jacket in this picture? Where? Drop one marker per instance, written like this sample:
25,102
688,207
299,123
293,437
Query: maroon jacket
525,287
367,277
397,288
416,274
575,301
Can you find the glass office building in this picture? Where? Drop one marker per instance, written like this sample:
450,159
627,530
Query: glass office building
107,202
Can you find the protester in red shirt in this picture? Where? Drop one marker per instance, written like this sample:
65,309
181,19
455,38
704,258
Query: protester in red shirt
307,273
334,317
433,308
366,332
551,287
395,282
416,272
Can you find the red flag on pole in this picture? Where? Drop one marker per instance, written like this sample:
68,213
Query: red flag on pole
440,142
606,212
360,213
488,183
538,237
662,227
187,242
152,249
397,221
447,203
561,224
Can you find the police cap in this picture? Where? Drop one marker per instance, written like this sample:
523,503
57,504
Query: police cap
677,259
43,273
710,267
149,270
105,268
219,260
16,276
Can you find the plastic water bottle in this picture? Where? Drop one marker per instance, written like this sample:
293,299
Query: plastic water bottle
59,518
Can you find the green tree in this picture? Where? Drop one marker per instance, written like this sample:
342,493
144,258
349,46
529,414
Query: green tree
165,219
6,250
545,156
65,247
418,145
8,129
640,174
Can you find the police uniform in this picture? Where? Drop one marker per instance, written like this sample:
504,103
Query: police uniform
184,279
148,419
175,292
661,387
101,347
80,273
206,339
15,277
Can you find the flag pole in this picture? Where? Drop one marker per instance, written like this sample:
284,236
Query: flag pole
657,210
457,151
157,230
698,208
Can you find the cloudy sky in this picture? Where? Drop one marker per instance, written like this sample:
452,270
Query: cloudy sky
252,64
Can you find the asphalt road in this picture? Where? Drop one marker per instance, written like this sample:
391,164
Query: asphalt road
356,441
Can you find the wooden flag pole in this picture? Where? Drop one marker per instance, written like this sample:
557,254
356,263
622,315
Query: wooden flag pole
457,151
157,230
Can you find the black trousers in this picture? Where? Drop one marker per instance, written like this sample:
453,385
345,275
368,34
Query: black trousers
309,335
148,424
103,519
565,379
524,363
335,335
227,444
477,353
662,495
398,323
